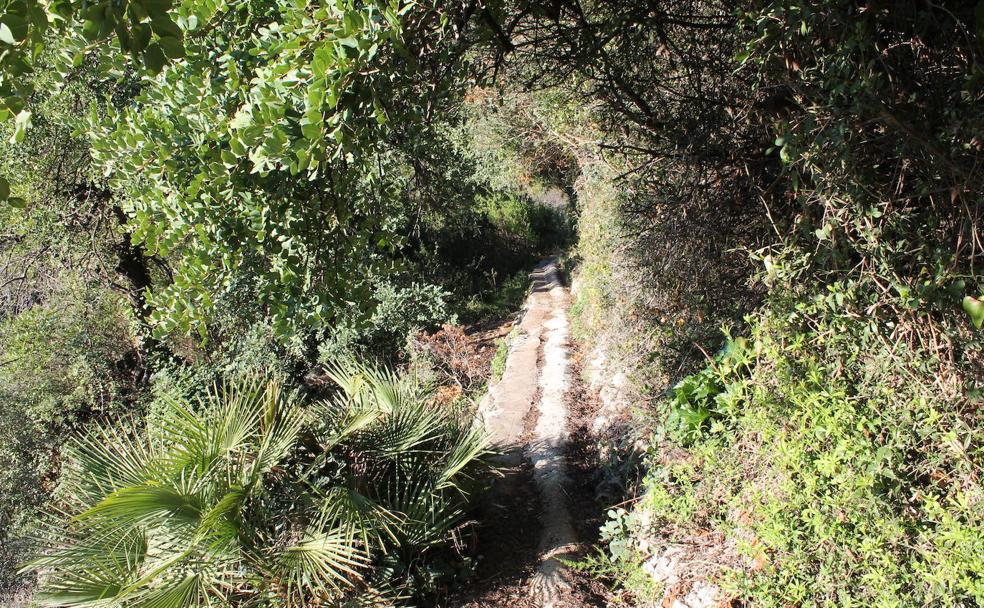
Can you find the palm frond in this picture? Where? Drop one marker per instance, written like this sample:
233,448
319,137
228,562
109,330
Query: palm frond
124,549
94,585
372,522
188,591
321,563
342,420
281,422
153,505
223,422
472,448
107,459
382,388
225,500
409,428
428,516
93,570
220,526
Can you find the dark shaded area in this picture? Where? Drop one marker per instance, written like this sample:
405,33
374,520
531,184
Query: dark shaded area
507,547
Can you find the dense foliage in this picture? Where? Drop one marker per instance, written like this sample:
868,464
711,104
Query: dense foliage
805,175
298,146
211,187
250,496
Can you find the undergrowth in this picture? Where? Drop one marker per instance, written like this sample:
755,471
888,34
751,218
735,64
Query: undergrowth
846,476
504,298
803,200
502,354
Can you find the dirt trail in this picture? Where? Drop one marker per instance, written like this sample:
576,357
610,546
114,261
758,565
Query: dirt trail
530,531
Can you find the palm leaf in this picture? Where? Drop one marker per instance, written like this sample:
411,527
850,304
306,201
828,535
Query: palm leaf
182,592
221,501
470,449
372,523
108,459
428,516
91,571
322,563
281,423
92,585
145,505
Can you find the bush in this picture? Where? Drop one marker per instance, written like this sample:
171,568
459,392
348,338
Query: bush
452,355
708,395
503,298
841,466
538,227
249,495
65,362
401,311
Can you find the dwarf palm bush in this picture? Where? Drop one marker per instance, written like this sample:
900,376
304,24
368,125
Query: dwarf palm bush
249,497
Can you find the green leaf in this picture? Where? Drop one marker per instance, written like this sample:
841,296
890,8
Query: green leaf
156,7
138,505
322,560
173,47
6,35
15,26
975,308
154,59
140,38
137,12
38,18
4,189
21,124
956,289
164,27
17,202
785,154
62,8
91,29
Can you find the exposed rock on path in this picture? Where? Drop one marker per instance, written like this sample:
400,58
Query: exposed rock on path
526,413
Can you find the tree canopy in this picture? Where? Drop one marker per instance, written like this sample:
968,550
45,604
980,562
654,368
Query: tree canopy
264,135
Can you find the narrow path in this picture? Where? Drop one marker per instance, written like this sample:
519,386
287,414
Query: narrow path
547,450
530,532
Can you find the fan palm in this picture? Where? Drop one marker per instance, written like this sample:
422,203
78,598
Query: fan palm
248,497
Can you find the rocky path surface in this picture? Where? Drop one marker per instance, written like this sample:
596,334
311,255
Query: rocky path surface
531,532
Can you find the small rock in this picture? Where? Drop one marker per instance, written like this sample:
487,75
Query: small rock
701,595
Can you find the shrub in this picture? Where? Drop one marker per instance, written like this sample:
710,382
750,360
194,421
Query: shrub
401,311
510,214
837,461
452,355
503,299
708,395
65,362
540,228
250,496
